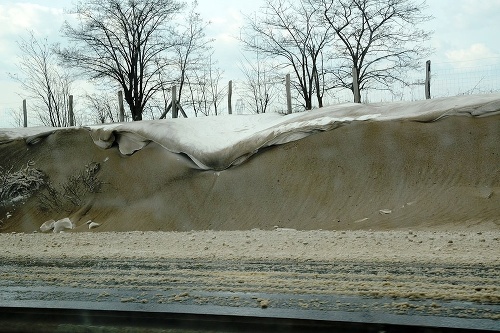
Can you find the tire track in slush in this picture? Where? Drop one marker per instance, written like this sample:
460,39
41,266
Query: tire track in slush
468,291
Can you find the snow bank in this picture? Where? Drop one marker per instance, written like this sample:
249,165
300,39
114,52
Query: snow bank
220,142
377,166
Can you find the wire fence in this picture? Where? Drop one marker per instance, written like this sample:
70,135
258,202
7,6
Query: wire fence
480,76
465,78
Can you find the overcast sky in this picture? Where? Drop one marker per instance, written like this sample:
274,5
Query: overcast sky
466,34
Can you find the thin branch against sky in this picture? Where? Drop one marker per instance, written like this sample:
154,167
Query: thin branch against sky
464,31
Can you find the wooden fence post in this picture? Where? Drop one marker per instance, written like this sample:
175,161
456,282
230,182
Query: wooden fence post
25,114
428,79
288,95
121,110
229,96
174,102
70,111
355,85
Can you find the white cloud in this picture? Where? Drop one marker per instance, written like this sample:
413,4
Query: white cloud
473,15
16,18
483,7
226,20
474,55
226,25
465,31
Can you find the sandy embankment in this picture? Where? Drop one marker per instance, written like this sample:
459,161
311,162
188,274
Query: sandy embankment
379,175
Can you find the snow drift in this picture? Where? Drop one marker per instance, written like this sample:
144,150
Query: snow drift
425,164
219,142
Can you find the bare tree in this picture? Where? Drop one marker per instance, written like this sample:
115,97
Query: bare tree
44,83
124,41
192,48
259,88
189,55
216,92
205,91
198,95
17,116
381,39
292,32
103,108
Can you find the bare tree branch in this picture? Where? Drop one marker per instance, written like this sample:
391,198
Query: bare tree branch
259,89
44,83
291,32
380,38
205,92
125,41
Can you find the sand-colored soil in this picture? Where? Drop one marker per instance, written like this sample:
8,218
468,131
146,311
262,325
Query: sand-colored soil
369,175
465,247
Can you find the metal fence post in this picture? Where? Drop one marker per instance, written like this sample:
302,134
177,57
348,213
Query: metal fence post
428,79
70,111
121,114
25,114
174,102
229,97
288,95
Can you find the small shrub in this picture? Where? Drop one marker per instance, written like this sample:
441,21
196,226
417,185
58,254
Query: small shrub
49,199
71,193
21,184
16,186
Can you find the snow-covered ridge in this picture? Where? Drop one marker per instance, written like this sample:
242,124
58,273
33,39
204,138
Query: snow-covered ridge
217,142
220,142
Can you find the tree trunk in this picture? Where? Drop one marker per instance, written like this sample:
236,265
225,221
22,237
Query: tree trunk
320,101
317,86
308,101
355,85
136,112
